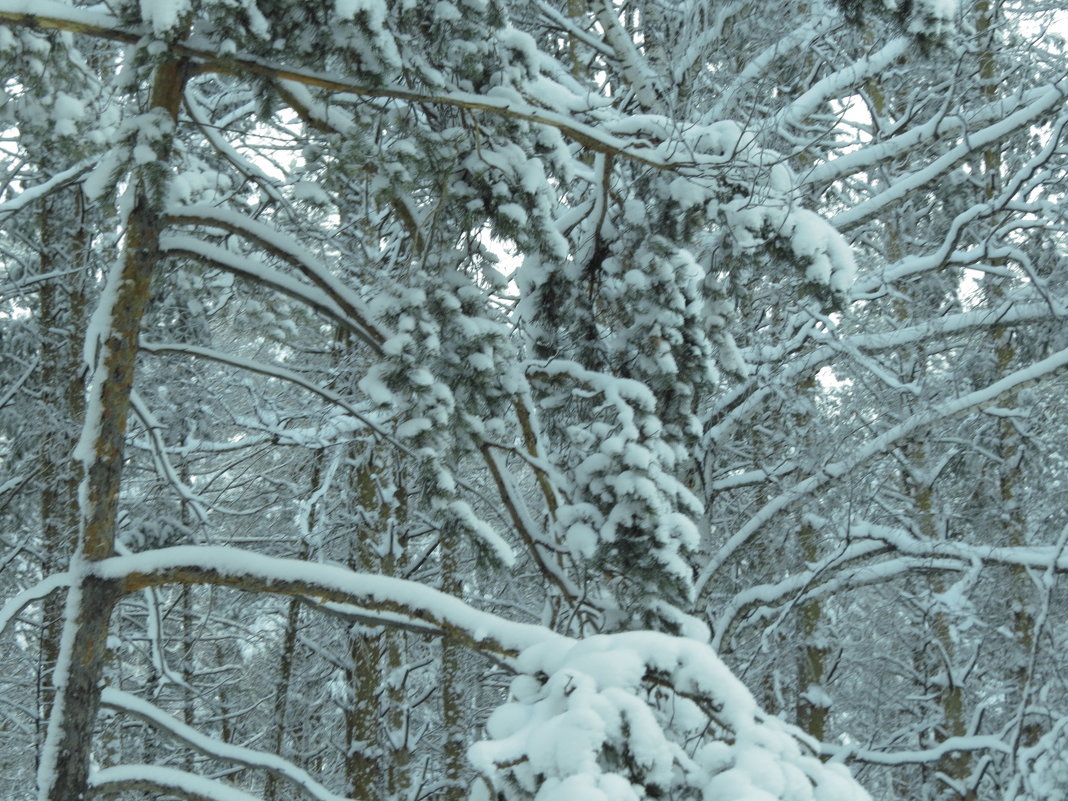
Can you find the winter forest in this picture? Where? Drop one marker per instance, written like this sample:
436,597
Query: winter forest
533,400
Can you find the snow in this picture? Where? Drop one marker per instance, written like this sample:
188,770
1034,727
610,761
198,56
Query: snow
687,193
1050,97
375,388
1048,778
131,704
171,781
296,255
103,174
36,192
912,758
933,17
38,592
143,154
374,9
254,268
484,532
514,212
58,9
446,12
797,40
817,696
311,192
237,567
414,427
574,702
579,721
842,82
66,111
49,752
939,126
507,719
164,15
878,444
831,261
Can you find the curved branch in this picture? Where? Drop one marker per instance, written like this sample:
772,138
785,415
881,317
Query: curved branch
279,245
38,191
527,527
38,592
926,756
273,371
391,601
190,247
164,781
1052,98
149,713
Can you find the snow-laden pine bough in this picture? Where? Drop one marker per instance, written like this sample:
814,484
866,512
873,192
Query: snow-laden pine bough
631,715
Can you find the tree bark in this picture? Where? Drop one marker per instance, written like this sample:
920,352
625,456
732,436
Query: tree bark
64,767
61,314
454,748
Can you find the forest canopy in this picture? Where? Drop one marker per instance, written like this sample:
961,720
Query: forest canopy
555,400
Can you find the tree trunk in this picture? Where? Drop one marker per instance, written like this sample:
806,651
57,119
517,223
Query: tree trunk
63,773
1010,440
454,749
61,315
812,705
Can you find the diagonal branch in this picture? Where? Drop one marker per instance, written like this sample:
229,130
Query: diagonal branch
281,246
186,246
879,444
209,746
53,15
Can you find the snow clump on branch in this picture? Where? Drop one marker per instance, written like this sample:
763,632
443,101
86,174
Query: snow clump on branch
615,717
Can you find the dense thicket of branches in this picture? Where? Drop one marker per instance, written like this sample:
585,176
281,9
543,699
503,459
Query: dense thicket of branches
473,399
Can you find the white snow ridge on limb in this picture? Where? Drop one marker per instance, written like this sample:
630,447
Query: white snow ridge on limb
830,258
163,15
616,717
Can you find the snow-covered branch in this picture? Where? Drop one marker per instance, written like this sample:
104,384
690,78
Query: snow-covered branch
1051,99
983,743
164,781
52,15
282,246
835,470
130,704
14,605
389,599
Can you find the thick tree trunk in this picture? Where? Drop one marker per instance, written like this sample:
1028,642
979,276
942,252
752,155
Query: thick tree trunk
395,715
363,768
272,786
941,664
63,772
64,769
